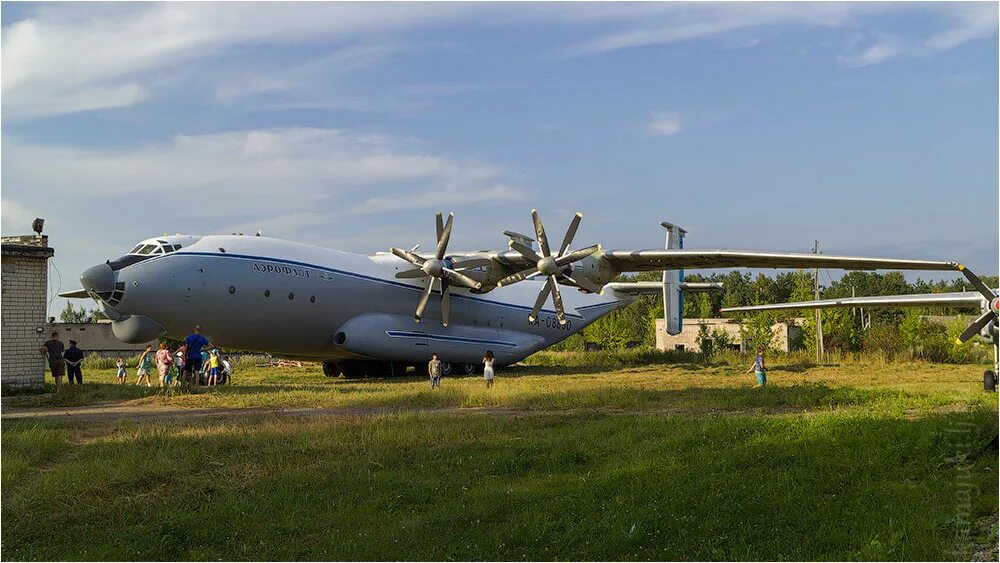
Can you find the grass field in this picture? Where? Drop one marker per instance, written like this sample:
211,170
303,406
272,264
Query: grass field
684,461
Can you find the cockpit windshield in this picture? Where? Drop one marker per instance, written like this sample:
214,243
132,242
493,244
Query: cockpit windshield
158,248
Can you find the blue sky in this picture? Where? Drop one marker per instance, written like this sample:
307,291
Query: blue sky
871,127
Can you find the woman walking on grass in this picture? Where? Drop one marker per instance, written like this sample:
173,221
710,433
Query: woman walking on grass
145,362
488,361
759,369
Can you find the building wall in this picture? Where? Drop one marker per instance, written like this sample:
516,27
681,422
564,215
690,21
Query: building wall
95,338
24,292
688,338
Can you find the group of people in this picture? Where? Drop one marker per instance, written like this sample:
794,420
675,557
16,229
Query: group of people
195,362
434,369
63,360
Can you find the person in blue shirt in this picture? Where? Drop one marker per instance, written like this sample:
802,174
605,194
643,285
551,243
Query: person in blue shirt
192,365
759,369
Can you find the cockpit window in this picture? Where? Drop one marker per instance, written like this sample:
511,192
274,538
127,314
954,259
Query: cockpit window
157,250
147,249
136,249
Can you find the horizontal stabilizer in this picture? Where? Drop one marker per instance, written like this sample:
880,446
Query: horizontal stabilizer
654,288
75,294
954,299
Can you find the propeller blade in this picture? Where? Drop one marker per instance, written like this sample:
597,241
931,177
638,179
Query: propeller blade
543,241
445,237
570,233
439,223
525,251
978,284
557,300
408,256
460,278
445,302
584,282
577,255
542,296
409,274
471,263
423,299
522,275
977,325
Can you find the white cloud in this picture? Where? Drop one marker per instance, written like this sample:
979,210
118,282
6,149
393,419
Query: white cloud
876,53
665,123
16,218
244,168
67,58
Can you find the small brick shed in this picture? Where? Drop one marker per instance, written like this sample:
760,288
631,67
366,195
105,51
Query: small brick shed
24,276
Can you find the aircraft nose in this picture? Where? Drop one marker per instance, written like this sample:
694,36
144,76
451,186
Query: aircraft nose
98,279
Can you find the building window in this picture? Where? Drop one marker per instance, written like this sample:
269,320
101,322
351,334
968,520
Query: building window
679,347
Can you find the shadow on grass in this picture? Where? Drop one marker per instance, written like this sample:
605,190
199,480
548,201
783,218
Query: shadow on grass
693,488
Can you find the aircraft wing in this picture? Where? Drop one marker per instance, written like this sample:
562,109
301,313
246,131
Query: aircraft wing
646,260
954,299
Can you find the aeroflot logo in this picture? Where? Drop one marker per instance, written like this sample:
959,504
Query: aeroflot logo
277,269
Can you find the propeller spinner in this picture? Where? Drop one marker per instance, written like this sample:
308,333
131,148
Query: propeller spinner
438,268
553,267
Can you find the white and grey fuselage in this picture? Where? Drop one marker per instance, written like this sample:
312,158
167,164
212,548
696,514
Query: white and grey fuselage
297,300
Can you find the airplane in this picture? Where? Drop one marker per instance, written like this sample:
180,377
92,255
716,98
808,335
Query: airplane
987,325
354,312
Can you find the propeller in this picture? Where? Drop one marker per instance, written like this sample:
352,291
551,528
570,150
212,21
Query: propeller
991,313
440,268
552,266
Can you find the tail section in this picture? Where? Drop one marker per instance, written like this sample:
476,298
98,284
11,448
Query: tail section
673,283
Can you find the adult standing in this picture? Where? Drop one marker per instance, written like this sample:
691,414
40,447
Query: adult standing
488,361
74,363
192,365
434,370
53,348
163,361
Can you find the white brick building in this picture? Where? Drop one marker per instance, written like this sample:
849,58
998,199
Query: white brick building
24,277
784,334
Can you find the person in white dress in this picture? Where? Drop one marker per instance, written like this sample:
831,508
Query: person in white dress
488,368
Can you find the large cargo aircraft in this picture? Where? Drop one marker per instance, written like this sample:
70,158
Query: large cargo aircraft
355,312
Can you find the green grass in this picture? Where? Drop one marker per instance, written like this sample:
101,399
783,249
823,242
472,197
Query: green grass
653,462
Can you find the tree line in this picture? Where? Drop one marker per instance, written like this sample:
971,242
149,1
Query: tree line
892,331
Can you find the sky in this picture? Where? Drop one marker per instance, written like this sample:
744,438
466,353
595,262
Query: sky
871,127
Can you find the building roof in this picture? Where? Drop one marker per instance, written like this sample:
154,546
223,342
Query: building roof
27,245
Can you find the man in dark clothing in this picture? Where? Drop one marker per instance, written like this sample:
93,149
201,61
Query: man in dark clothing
74,362
192,365
54,349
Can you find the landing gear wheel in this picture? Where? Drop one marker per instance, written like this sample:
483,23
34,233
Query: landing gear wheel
989,381
470,369
352,369
330,369
446,368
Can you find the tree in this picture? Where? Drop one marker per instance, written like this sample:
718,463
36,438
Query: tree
72,314
757,331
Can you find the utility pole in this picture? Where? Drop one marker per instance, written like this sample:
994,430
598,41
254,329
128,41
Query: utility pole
819,315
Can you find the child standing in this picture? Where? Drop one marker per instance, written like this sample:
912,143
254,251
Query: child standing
122,374
145,363
488,368
759,369
213,368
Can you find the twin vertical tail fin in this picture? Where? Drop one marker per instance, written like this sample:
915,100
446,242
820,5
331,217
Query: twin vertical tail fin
673,280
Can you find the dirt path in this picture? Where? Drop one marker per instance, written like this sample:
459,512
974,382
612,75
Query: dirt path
105,413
